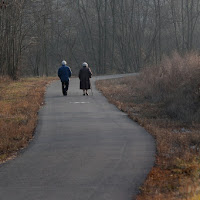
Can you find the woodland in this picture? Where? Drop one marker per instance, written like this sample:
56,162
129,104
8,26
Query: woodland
113,36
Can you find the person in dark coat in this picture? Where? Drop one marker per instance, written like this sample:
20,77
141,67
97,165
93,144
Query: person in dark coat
84,75
64,73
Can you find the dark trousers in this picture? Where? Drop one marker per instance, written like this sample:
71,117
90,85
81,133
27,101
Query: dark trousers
65,86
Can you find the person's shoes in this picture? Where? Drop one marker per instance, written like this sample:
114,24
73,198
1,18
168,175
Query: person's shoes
83,94
87,94
65,94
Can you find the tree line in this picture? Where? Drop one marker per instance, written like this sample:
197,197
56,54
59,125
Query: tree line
111,35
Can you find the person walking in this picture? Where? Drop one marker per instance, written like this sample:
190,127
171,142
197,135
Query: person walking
64,73
84,76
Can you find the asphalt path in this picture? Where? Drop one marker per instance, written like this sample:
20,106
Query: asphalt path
84,149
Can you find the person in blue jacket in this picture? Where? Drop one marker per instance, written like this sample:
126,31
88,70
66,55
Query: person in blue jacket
64,73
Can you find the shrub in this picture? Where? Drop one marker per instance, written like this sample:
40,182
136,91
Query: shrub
176,84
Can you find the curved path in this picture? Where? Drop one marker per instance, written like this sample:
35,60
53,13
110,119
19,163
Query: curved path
84,149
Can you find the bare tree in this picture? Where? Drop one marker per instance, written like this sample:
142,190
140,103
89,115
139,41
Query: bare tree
111,35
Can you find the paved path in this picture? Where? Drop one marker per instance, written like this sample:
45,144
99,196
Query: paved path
84,149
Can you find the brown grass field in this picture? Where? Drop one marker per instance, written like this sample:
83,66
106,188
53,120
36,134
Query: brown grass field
155,100
19,105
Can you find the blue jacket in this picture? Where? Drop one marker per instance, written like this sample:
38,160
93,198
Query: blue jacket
64,73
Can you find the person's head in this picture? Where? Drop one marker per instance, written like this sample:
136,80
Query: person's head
64,62
85,64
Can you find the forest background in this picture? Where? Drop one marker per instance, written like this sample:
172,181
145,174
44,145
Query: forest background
113,36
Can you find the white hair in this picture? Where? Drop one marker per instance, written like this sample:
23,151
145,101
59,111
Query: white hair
64,62
85,64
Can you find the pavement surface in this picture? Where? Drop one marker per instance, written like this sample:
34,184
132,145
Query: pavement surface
84,149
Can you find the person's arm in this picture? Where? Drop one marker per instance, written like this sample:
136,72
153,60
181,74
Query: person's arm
59,73
79,75
90,73
70,72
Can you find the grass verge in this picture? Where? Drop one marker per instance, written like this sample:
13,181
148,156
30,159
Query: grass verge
19,105
177,169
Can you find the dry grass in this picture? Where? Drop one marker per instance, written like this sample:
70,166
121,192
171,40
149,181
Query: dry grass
176,84
177,169
19,105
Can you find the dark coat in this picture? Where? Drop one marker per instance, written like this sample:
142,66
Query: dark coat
84,75
64,73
